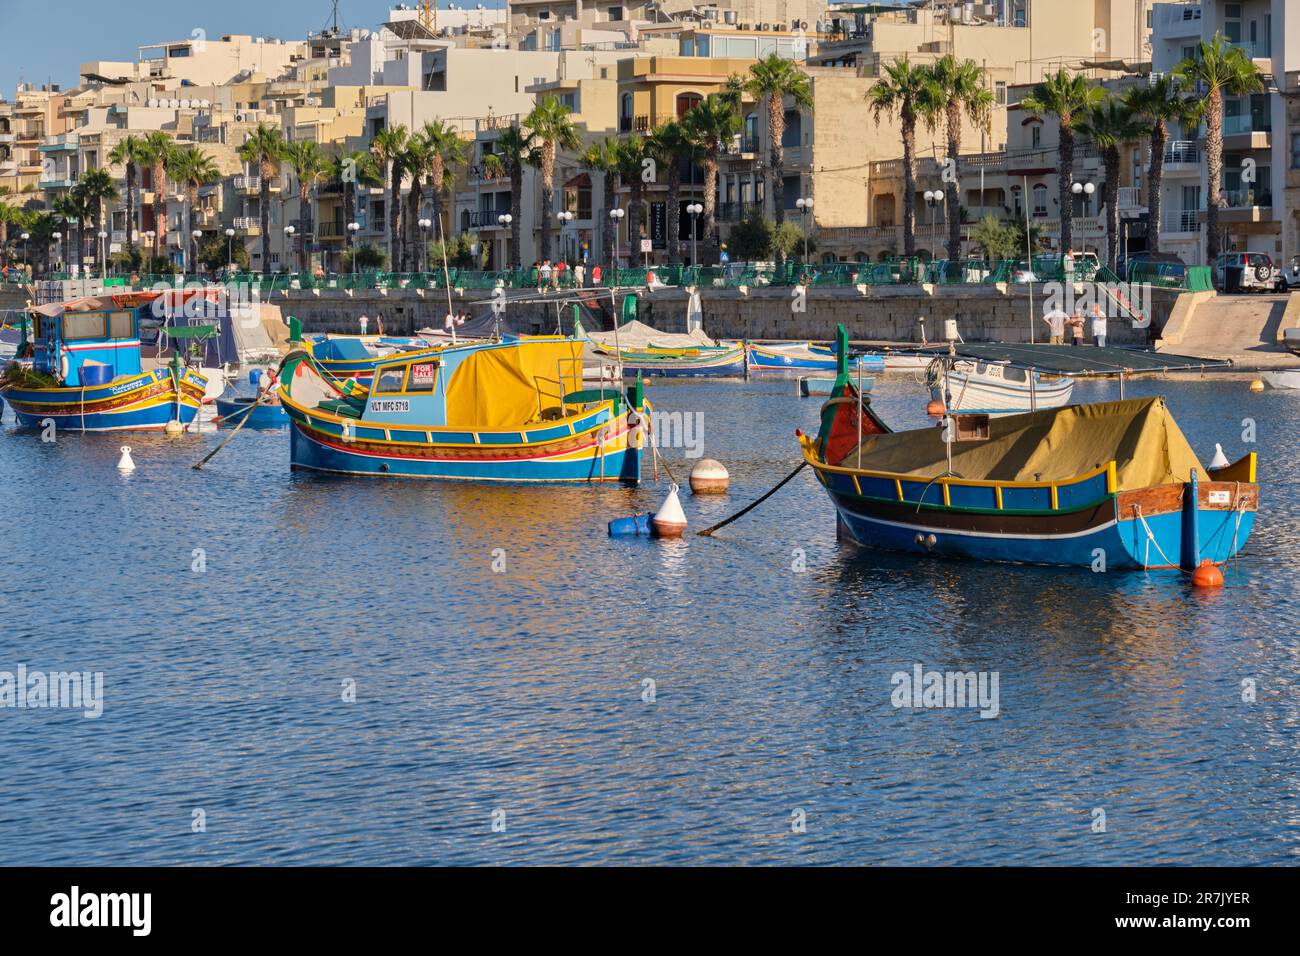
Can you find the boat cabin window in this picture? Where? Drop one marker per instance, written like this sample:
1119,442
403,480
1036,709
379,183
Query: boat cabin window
121,325
84,325
423,376
389,380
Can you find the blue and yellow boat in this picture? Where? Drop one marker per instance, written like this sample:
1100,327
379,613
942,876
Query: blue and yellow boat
804,357
350,356
1111,485
85,372
509,411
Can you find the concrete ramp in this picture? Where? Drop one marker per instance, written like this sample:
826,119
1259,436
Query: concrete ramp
1243,328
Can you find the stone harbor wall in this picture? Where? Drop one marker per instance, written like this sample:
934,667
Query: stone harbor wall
884,314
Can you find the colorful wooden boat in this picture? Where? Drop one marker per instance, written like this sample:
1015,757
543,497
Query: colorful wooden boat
995,388
680,363
811,386
804,357
483,411
86,375
356,357
1112,485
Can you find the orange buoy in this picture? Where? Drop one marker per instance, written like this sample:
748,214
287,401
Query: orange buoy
1256,385
1207,575
934,409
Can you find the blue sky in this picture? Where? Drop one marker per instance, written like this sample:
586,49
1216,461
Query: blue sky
47,42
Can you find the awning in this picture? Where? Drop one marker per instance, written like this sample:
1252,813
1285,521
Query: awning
1077,359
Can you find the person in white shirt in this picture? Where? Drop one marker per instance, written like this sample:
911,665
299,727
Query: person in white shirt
1056,320
1098,326
364,322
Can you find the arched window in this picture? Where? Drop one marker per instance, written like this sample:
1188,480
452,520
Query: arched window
625,113
1040,199
464,220
687,102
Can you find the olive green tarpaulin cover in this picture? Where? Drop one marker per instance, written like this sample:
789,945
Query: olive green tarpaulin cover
1139,435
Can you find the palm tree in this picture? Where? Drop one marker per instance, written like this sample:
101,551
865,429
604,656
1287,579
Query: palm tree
352,170
265,148
775,78
515,149
602,158
631,157
671,144
415,161
131,152
96,188
158,149
1069,99
193,169
387,146
905,90
1219,68
7,215
1158,104
1111,126
958,87
66,210
552,126
447,151
712,125
308,164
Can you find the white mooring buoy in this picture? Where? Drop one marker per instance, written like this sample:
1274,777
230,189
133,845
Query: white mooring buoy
709,477
125,463
670,521
174,428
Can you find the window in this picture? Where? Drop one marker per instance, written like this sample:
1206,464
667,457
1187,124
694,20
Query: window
1295,150
1036,136
1040,200
423,377
1000,93
389,380
121,325
687,102
84,325
615,13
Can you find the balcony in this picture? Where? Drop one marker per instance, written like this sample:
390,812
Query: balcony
1246,131
252,185
736,211
1185,222
57,183
1130,201
247,225
1247,205
1181,155
1171,22
486,218
1259,50
8,137
330,231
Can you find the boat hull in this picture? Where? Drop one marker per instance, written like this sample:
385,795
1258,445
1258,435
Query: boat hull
139,403
732,365
1111,533
584,458
234,411
802,358
984,394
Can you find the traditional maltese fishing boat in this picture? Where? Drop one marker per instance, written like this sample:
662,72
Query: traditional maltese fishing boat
1107,486
639,348
85,371
804,357
350,356
509,411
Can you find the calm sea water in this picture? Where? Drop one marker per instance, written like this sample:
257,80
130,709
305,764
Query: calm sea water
517,696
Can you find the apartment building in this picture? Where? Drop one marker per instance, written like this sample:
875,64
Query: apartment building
1258,152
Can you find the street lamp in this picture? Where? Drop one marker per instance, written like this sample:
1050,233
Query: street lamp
230,251
565,218
933,199
353,229
58,238
425,225
805,207
504,221
25,236
615,216
196,235
289,232
1081,189
103,253
694,209
153,250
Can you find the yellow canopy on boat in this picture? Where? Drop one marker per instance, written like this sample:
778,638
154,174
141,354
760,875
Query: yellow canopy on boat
512,385
1139,435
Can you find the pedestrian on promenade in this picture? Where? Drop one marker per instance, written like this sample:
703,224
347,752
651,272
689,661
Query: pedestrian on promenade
1098,325
1076,327
1056,319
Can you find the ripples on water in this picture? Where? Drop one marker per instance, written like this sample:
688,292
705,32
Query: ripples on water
522,690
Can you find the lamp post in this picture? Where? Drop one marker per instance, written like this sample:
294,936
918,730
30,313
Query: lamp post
58,249
103,253
504,220
25,236
805,207
565,218
289,232
615,217
353,229
693,210
933,199
1079,189
425,226
230,251
196,235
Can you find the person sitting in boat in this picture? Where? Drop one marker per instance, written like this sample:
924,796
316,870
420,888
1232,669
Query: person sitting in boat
268,388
